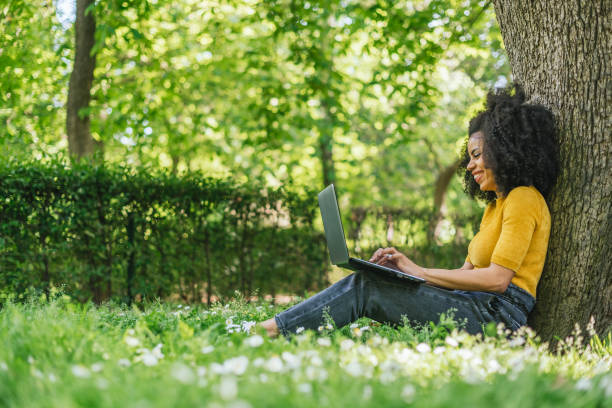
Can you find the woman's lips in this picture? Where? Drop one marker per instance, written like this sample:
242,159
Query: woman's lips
477,177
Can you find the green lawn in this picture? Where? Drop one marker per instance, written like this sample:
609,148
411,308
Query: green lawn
62,354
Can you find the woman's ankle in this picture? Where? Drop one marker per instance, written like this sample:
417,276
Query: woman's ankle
270,327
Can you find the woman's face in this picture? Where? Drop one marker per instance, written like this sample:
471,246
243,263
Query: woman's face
482,175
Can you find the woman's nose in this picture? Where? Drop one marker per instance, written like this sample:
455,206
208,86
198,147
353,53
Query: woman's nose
471,164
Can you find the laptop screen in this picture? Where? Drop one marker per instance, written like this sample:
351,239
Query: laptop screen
332,223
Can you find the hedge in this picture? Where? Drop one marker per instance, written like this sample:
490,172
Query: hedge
101,231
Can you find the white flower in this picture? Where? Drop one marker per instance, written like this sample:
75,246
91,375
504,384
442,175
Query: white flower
97,367
606,385
263,378
517,341
274,364
3,366
236,365
493,366
305,388
132,341
157,351
583,384
131,332
466,354
367,392
423,348
102,383
80,371
408,392
376,340
246,326
346,344
354,368
217,368
316,361
329,326
299,330
320,328
353,325
148,359
232,328
451,341
124,362
313,373
228,388
292,361
52,377
182,373
207,349
439,350
254,341
387,377
201,371
324,342
31,360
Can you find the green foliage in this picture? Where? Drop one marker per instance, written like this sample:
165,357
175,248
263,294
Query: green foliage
34,72
257,89
106,231
375,94
59,353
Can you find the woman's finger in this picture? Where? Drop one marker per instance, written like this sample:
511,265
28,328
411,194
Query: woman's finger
376,255
386,258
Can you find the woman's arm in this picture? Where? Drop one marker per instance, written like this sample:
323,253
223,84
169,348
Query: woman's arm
494,278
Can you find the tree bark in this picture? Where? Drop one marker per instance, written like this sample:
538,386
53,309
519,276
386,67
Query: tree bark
327,161
442,182
560,52
80,141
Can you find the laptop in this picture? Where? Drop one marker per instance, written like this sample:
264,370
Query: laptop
336,242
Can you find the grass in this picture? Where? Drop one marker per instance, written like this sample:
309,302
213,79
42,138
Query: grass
63,354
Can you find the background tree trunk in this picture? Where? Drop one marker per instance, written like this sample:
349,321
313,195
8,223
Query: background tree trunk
560,52
80,141
443,180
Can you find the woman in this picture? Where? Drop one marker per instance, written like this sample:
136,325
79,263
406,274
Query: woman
511,161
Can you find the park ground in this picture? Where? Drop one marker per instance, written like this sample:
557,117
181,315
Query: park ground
60,353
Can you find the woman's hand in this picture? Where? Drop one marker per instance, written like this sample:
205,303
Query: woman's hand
392,258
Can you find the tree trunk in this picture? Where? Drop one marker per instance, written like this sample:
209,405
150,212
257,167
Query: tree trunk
80,141
560,52
131,261
442,182
327,161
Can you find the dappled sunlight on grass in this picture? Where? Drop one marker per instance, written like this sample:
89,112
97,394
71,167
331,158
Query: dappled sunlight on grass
167,354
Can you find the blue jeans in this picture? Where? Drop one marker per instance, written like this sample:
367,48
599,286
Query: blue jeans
387,299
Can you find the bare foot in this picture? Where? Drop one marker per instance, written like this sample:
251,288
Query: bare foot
270,327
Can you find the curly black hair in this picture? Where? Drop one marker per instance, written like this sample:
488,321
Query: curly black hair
520,144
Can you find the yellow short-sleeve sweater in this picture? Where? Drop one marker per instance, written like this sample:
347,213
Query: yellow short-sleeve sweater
514,233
